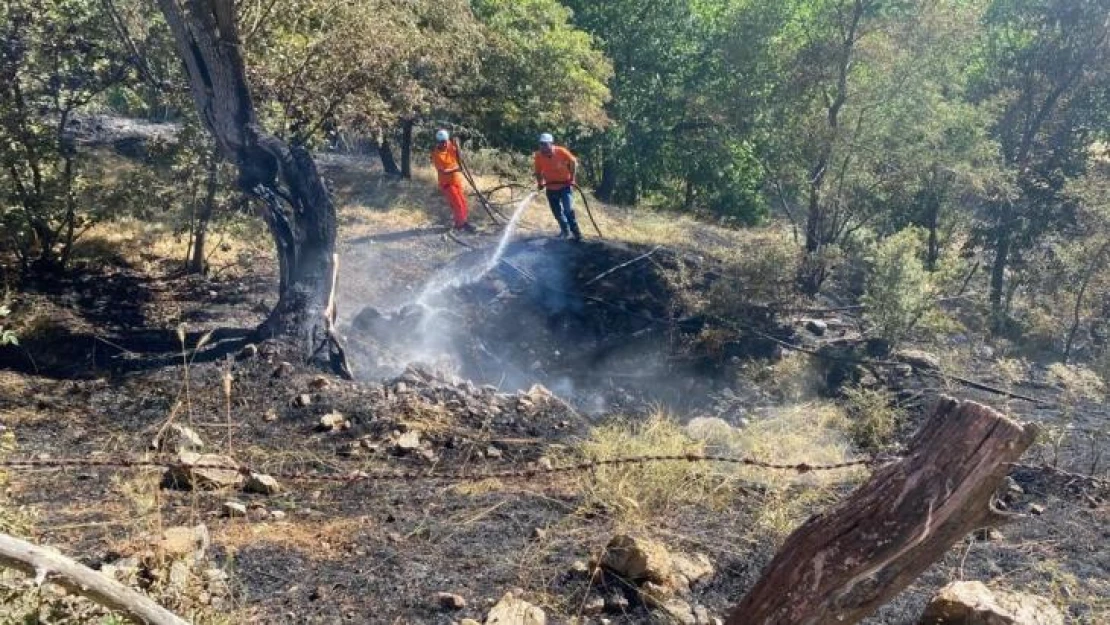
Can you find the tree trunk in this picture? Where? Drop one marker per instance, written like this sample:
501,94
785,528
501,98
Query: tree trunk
608,185
295,203
1092,266
204,217
998,272
385,153
844,563
406,148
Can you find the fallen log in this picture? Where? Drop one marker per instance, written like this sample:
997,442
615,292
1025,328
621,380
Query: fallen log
844,563
47,565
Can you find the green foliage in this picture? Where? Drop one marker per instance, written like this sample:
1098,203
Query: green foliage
318,67
899,290
873,418
56,56
538,74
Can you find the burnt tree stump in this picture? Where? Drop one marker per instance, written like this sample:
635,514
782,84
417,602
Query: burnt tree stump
844,563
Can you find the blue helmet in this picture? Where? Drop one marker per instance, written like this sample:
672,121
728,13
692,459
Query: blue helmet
442,135
547,138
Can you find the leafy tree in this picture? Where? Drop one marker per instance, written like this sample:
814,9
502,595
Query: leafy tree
669,136
538,73
1046,67
56,56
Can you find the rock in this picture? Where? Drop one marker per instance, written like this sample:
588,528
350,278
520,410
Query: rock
617,603
638,559
234,509
709,429
469,621
408,442
545,464
817,327
450,601
283,369
593,605
333,421
493,452
262,484
270,415
513,611
303,400
178,438
179,577
972,603
918,359
1037,509
319,383
196,471
277,515
693,567
679,611
250,350
184,542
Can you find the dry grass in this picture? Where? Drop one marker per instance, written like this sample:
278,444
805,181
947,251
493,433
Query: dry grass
325,539
233,247
642,494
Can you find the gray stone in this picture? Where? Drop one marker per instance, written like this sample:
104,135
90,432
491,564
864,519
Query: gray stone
234,509
450,601
513,611
918,359
178,438
817,327
198,471
333,421
972,603
262,484
409,441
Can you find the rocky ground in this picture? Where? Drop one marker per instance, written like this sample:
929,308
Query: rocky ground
109,375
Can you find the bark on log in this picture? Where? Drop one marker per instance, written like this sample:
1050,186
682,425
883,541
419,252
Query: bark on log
844,563
47,565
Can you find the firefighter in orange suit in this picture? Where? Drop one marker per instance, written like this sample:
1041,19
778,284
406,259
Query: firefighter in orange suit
445,158
555,168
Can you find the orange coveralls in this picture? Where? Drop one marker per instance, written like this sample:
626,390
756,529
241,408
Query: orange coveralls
446,162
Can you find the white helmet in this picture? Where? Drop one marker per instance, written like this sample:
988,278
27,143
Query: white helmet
547,138
442,135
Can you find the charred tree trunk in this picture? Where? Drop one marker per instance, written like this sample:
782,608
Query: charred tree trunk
204,216
843,564
295,203
406,148
385,153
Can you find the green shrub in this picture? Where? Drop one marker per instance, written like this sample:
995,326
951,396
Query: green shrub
873,418
899,291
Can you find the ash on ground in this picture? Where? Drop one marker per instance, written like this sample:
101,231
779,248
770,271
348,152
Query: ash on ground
601,324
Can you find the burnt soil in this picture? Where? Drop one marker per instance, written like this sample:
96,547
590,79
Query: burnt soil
604,324
110,373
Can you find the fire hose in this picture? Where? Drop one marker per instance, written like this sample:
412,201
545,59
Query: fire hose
470,179
489,208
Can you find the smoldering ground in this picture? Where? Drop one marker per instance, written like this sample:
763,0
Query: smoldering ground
601,324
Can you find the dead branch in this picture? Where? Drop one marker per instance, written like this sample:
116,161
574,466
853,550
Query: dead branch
843,564
48,565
